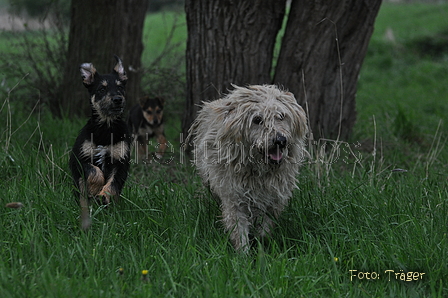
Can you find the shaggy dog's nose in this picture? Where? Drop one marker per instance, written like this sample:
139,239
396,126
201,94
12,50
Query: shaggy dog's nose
275,153
280,141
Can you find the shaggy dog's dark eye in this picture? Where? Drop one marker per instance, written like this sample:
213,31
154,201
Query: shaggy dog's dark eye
257,120
281,117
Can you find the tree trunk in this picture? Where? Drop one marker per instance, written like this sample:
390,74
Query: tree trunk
320,59
321,54
229,42
98,30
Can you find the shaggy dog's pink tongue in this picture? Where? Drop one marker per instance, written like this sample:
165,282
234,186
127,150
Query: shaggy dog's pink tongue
275,154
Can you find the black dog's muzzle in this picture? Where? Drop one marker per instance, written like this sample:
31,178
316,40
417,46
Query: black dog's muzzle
118,100
118,104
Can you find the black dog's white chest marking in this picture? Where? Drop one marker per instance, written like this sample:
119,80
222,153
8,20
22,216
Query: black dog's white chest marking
99,153
146,130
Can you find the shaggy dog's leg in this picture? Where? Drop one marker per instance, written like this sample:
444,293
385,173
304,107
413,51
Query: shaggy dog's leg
265,226
236,220
266,221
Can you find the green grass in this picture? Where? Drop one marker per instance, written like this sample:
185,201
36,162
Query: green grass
394,77
355,214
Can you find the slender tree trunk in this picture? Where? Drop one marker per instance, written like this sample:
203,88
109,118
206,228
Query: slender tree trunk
320,59
229,42
98,30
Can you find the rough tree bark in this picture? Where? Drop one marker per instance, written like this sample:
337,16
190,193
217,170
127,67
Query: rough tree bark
232,42
322,51
228,42
98,30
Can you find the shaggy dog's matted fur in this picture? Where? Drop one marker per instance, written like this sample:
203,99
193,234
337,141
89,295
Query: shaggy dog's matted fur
248,147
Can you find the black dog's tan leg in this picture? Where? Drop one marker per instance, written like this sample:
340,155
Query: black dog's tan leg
162,145
86,222
95,181
84,203
90,188
142,150
108,191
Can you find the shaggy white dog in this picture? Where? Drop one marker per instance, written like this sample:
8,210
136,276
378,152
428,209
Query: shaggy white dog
248,147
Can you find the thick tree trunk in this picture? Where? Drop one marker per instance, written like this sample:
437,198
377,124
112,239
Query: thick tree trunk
320,59
321,54
99,29
229,42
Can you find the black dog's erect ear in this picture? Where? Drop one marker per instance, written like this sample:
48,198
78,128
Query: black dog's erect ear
119,69
88,73
161,100
142,100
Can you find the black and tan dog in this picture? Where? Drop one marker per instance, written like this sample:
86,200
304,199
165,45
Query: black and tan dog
99,160
146,121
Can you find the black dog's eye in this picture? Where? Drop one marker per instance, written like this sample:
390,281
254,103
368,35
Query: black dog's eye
102,89
257,120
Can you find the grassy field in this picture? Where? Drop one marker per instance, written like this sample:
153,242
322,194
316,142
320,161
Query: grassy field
370,218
